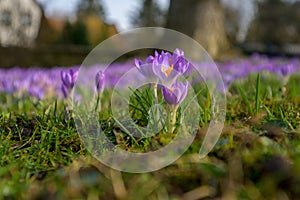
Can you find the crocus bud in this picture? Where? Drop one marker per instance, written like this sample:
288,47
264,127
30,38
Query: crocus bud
69,80
100,81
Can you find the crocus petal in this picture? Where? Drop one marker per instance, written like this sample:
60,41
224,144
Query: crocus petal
149,59
178,52
184,92
62,76
138,63
181,65
177,94
66,79
146,69
64,91
74,76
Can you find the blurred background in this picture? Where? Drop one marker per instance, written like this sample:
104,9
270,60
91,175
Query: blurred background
61,33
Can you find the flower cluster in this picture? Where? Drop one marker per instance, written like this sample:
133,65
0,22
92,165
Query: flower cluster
164,69
69,79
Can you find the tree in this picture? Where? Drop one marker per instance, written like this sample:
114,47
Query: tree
91,16
232,24
150,15
75,34
90,7
276,23
201,19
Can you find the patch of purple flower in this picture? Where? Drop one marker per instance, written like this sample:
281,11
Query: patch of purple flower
44,83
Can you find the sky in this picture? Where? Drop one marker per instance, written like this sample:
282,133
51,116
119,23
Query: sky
118,12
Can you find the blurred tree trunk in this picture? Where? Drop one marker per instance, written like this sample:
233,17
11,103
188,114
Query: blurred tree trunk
202,20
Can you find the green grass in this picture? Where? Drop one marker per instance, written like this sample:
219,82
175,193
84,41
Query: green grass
257,156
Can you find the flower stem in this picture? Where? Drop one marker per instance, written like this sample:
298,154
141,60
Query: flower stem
155,93
171,121
98,103
70,104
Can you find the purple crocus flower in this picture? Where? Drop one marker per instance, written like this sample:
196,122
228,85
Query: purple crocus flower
68,81
37,92
69,78
286,70
100,81
168,67
165,66
181,64
176,93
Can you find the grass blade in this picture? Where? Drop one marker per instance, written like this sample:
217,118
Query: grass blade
257,94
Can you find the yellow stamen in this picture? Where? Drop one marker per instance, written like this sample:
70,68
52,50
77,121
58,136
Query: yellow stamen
167,71
171,90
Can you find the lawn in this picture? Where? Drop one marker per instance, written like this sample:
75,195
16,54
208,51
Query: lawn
256,157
